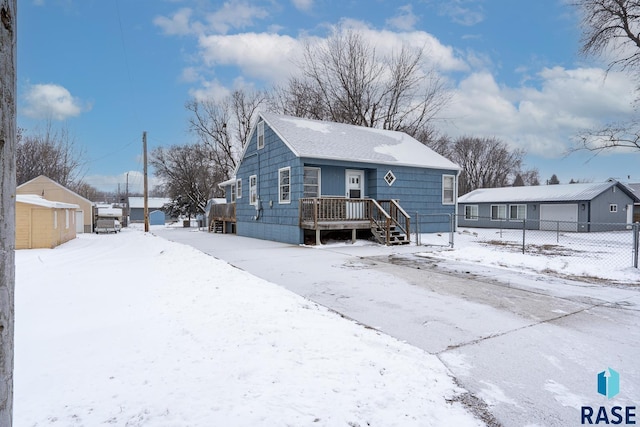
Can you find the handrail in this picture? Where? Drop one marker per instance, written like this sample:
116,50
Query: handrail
381,213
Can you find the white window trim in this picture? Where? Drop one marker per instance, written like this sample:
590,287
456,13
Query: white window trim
453,189
239,189
518,219
260,135
253,190
613,208
280,201
499,218
473,217
319,170
66,218
55,219
233,193
393,178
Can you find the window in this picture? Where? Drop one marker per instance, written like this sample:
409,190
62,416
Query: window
518,212
284,184
448,182
498,212
471,212
613,208
390,178
66,218
55,219
253,189
239,189
260,135
311,182
233,193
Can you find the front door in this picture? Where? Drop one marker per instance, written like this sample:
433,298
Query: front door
355,190
355,184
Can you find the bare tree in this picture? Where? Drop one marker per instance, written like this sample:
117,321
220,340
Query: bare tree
612,28
190,176
8,136
344,80
52,153
223,126
485,163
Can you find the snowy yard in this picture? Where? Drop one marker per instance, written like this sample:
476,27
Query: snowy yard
134,330
604,257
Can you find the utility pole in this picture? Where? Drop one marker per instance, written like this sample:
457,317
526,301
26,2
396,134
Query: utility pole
126,209
8,95
146,184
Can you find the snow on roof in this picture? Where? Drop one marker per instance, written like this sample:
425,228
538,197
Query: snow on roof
152,202
538,193
34,199
338,141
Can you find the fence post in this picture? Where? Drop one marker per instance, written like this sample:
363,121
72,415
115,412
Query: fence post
524,232
636,243
417,229
452,219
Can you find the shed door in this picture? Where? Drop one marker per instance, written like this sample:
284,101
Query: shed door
563,217
79,222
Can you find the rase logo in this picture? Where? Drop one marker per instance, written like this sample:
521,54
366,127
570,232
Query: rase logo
609,386
609,383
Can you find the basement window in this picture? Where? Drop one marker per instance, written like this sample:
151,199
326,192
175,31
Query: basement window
613,208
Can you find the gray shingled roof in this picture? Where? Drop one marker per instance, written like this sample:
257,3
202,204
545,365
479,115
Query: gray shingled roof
336,141
540,193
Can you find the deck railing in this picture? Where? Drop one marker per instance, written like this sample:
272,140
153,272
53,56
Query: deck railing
399,217
382,214
223,212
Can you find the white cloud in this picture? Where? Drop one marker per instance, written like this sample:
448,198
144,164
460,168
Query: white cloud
51,101
235,14
110,183
404,20
303,5
210,90
463,12
543,119
178,24
259,55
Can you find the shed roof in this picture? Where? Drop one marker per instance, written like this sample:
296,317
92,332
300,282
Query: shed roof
46,179
338,141
34,199
542,193
152,202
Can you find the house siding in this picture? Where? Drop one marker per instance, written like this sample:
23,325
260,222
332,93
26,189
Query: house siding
35,226
600,211
276,221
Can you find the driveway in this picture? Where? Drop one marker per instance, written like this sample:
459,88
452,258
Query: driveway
530,346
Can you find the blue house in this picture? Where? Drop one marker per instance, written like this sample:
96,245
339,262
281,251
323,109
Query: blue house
298,179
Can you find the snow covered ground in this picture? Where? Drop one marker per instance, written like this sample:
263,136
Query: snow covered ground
133,330
605,257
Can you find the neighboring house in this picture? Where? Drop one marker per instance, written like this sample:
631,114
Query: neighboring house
299,178
136,207
51,190
42,223
569,207
636,210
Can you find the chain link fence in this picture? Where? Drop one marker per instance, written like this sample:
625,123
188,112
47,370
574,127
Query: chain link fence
617,245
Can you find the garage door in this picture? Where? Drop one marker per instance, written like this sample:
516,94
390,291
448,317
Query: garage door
564,217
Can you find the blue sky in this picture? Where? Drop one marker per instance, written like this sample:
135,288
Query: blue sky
110,69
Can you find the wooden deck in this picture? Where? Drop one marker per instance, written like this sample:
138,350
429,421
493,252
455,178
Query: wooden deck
388,222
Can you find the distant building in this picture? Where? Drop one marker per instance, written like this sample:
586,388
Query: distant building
568,207
136,207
